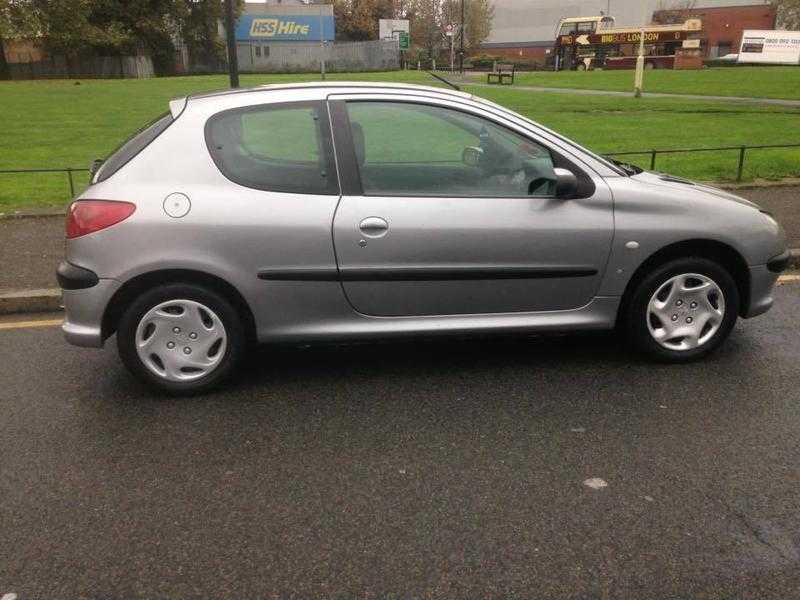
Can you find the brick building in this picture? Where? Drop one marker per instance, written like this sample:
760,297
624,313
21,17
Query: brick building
722,25
525,31
527,52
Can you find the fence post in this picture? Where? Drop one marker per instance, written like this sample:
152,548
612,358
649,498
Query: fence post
71,184
652,159
741,163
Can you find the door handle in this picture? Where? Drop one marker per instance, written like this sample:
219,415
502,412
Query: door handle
373,227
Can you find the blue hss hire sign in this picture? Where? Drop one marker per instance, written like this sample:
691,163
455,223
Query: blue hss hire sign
266,28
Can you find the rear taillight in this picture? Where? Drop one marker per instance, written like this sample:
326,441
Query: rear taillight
88,216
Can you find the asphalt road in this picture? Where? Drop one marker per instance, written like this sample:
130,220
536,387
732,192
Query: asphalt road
441,469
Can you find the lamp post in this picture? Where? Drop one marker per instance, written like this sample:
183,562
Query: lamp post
638,78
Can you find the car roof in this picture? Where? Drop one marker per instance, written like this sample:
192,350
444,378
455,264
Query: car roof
333,85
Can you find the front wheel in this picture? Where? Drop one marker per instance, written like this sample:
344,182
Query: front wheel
683,310
180,338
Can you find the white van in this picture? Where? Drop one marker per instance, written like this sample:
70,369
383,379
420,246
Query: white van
770,47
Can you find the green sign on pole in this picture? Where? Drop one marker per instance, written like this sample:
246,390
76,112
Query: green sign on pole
404,40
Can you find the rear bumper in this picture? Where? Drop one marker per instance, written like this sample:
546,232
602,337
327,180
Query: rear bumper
84,309
73,277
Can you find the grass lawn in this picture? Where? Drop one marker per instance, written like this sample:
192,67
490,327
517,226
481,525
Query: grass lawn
607,124
751,82
58,124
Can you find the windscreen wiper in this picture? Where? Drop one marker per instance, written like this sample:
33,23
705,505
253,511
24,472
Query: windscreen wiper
443,80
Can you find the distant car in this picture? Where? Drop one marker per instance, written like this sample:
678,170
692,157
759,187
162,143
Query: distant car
351,211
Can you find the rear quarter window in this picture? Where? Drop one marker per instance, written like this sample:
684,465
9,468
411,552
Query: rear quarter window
140,140
282,147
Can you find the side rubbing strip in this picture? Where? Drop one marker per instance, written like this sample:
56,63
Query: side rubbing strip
291,274
425,273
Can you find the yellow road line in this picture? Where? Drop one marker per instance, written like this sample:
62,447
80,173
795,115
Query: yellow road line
29,324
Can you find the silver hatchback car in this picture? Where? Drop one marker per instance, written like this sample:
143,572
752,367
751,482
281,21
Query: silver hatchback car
345,211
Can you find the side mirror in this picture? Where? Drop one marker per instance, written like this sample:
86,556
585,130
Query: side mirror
471,156
566,183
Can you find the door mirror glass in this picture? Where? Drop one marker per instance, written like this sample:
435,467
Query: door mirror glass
471,156
566,183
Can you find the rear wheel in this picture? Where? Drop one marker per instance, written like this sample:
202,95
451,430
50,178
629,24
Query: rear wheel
683,310
180,338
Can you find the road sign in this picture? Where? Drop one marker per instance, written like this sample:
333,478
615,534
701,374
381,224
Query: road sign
450,29
405,40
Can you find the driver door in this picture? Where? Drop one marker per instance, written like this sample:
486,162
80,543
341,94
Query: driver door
445,211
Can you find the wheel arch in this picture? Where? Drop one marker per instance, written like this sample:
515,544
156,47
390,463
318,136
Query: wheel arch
135,286
727,256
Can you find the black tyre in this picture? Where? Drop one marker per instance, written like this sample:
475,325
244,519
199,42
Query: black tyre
181,338
682,310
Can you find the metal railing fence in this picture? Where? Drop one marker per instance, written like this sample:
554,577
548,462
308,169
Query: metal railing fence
740,149
651,153
68,170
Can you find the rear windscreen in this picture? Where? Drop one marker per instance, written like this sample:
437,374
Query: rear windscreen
132,147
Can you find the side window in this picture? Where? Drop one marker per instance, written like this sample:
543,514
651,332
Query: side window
567,29
407,149
586,27
278,147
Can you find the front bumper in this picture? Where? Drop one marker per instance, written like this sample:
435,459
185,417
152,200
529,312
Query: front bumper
83,313
762,283
779,263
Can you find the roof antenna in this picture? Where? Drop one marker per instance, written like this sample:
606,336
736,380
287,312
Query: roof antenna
443,80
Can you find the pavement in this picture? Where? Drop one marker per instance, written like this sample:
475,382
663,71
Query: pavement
31,248
645,94
466,468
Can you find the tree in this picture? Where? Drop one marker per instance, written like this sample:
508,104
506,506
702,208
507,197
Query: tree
426,26
479,15
673,12
430,17
117,27
358,19
788,13
199,30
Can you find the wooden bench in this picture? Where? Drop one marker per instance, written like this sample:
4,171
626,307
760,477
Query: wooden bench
503,74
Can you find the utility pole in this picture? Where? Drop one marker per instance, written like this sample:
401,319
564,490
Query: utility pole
230,34
461,51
